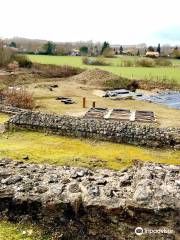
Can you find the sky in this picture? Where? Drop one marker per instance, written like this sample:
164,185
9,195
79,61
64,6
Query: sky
116,21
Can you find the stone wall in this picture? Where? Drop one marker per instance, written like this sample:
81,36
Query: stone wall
100,129
96,205
8,109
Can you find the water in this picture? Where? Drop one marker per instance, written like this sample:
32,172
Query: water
168,98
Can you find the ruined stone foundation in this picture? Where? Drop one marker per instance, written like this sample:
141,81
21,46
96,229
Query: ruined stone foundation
97,205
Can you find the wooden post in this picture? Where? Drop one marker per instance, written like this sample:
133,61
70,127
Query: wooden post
84,102
94,104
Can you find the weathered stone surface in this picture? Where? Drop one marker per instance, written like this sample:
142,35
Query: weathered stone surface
10,110
100,129
100,204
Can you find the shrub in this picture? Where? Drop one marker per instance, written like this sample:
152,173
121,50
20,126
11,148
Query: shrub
127,63
83,50
144,63
108,53
49,48
23,61
105,46
13,66
151,49
5,56
147,63
85,60
19,98
176,53
163,62
99,61
47,70
133,85
121,83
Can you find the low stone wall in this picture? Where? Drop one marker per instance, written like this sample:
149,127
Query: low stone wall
101,204
100,129
7,109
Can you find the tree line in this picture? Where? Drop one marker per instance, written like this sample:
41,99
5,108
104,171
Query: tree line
86,49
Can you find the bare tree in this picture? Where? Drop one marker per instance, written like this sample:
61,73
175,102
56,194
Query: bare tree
5,55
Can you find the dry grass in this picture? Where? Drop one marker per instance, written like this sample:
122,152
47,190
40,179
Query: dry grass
46,100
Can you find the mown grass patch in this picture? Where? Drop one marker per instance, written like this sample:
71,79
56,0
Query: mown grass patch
76,152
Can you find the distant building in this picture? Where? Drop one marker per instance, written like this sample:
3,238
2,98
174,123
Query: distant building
152,54
12,49
128,52
130,49
75,52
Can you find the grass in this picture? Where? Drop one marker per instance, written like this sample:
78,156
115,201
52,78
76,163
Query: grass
167,74
76,152
10,231
3,118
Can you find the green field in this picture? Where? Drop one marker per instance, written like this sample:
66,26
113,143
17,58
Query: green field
152,73
77,152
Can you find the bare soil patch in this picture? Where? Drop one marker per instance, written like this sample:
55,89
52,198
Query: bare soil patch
94,77
46,101
102,79
89,84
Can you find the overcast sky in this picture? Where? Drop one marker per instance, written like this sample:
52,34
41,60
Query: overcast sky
116,21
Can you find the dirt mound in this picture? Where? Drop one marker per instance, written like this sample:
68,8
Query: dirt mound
95,77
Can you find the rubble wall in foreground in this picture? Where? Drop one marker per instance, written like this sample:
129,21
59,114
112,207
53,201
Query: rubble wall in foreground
95,205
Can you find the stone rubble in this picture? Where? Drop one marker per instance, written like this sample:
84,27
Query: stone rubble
8,109
98,204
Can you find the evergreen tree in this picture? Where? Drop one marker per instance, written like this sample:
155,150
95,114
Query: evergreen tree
84,50
159,48
105,46
13,44
176,53
150,49
121,50
49,48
